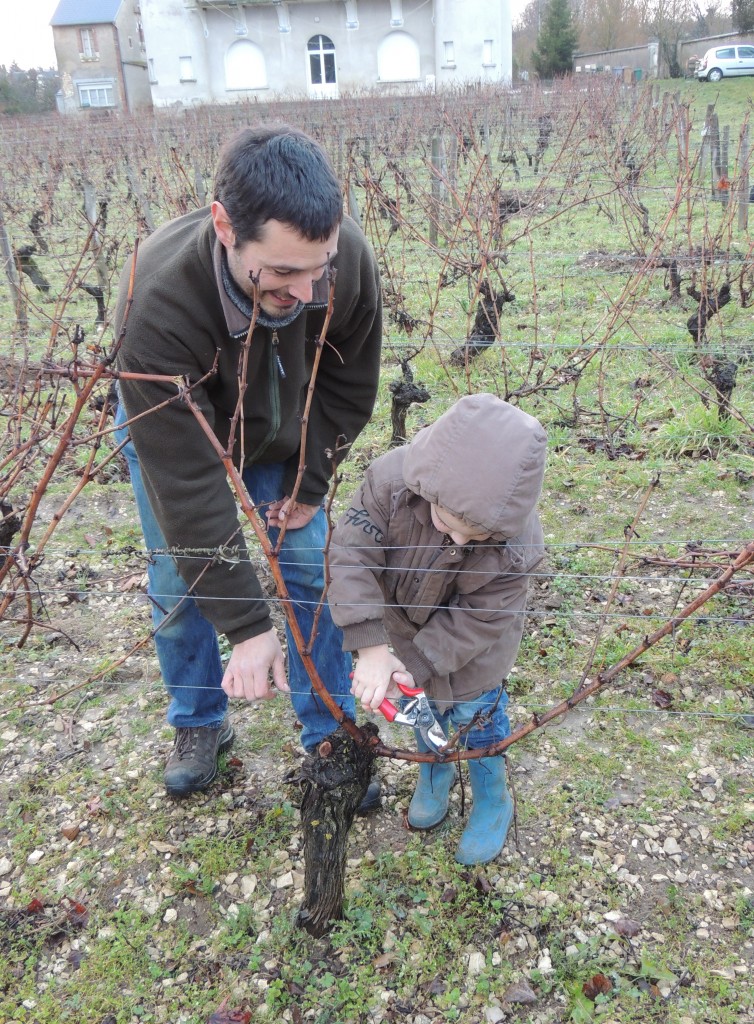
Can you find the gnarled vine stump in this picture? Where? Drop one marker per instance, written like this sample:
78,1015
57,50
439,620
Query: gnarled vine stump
405,392
333,782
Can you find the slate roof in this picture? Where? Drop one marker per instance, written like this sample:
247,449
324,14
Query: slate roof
85,12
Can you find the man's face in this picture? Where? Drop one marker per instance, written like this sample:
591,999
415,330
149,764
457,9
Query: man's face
286,263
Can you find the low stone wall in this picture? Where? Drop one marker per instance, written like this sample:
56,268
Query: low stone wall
633,62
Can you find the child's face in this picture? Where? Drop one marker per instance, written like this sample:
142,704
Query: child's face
455,528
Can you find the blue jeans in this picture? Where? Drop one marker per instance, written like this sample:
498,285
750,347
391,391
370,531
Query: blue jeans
494,728
187,647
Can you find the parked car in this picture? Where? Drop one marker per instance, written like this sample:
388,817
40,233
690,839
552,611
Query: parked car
726,62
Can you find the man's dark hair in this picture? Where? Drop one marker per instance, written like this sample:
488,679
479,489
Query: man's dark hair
280,174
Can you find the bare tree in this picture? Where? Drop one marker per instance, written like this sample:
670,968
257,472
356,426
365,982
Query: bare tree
609,24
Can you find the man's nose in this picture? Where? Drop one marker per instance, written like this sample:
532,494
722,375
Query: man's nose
301,287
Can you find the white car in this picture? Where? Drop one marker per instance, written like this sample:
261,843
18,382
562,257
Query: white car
726,62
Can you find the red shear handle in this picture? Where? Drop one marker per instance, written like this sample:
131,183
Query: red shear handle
409,691
388,709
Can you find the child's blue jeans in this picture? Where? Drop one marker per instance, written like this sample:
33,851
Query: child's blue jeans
187,647
492,728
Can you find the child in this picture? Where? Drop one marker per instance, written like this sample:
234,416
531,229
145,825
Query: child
430,570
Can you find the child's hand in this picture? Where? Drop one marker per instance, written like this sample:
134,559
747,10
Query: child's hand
405,679
372,676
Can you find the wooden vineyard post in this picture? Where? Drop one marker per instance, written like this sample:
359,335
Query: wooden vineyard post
743,188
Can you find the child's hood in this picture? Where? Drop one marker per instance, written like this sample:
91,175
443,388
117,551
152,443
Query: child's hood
483,460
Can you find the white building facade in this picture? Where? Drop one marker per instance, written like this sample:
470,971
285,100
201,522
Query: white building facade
221,51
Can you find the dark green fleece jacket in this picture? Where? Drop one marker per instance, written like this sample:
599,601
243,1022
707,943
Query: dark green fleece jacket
179,322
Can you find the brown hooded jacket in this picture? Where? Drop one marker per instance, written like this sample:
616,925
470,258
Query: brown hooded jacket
454,615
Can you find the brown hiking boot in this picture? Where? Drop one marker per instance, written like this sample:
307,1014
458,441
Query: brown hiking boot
192,764
371,800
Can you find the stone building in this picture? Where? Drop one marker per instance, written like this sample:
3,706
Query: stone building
226,51
101,55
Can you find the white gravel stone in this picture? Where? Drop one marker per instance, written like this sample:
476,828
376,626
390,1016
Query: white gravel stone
476,964
171,915
671,847
6,866
35,857
544,964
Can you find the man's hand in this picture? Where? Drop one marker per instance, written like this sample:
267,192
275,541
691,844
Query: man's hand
372,677
251,662
292,513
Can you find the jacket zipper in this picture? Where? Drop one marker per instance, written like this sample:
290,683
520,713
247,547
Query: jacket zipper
274,372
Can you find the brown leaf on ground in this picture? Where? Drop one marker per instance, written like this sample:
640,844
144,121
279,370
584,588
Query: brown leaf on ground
384,961
482,885
662,698
77,913
70,831
627,928
94,805
223,1015
597,985
136,581
520,992
648,987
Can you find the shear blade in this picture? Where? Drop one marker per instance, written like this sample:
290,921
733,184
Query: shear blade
434,736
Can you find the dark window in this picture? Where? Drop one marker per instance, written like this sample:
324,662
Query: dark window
88,43
746,51
321,60
727,54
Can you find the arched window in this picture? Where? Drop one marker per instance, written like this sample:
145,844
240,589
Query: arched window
244,66
398,58
321,52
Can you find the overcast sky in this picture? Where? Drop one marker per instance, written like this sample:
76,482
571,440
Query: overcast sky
26,36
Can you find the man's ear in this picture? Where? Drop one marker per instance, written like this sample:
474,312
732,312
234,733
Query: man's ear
223,227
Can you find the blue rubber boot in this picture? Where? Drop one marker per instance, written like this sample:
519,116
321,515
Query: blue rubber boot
490,818
429,804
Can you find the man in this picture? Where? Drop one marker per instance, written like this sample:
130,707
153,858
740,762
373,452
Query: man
277,218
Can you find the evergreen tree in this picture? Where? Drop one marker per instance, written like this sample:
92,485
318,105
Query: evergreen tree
26,92
742,13
557,40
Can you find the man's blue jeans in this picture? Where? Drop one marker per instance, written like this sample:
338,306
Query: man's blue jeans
187,647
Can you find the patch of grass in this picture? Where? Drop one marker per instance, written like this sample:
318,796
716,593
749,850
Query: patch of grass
699,433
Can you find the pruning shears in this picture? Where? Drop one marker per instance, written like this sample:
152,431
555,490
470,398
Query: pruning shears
418,714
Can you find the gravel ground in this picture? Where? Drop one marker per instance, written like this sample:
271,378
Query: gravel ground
626,895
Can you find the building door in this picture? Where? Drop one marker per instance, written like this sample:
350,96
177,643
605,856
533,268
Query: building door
323,82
